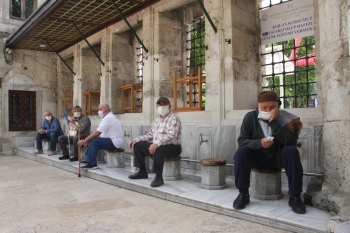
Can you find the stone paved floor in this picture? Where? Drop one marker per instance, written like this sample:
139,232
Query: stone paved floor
37,198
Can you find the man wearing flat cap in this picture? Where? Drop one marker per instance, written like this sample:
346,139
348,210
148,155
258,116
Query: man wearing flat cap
163,141
266,142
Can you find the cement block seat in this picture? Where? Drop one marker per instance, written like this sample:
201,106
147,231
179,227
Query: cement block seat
83,151
172,168
266,183
46,145
147,162
213,173
115,158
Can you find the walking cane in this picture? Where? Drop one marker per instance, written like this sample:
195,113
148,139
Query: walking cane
79,152
65,112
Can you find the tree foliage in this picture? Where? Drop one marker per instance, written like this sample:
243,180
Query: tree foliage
197,51
299,86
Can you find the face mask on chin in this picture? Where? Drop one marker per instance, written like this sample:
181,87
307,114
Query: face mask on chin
265,115
163,110
48,118
100,114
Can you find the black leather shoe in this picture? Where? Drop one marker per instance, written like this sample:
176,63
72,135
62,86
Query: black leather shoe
73,159
241,201
64,157
297,205
158,181
139,175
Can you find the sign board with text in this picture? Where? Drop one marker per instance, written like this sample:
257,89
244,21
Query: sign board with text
287,21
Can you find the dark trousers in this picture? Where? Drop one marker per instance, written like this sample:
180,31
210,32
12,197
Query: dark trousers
245,160
63,141
52,137
164,151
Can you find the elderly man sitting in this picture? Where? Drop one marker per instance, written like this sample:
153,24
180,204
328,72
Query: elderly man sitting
265,142
81,122
50,130
109,136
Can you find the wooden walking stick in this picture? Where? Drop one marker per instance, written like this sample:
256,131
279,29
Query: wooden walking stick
79,152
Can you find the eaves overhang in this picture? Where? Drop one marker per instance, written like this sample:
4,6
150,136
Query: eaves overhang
53,21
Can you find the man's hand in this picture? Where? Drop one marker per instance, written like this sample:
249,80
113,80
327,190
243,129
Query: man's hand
42,131
132,143
82,143
274,115
266,143
152,149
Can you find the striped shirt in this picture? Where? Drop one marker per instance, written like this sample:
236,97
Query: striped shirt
165,130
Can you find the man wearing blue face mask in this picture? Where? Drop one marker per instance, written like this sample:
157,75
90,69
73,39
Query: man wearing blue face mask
265,142
163,141
108,136
50,130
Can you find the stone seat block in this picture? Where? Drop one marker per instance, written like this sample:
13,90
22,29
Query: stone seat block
46,145
172,168
82,153
266,184
147,162
213,173
115,158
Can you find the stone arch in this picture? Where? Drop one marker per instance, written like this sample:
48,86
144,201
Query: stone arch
22,80
19,72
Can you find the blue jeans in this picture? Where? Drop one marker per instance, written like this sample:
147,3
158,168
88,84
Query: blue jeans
52,137
96,144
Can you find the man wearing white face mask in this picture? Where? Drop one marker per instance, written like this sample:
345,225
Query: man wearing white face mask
81,120
265,142
164,141
50,130
108,136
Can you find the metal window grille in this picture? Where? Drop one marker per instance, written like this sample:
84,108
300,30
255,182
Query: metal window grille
195,49
289,69
22,8
22,110
139,77
269,3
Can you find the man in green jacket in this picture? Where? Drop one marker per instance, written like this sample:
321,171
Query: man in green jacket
265,143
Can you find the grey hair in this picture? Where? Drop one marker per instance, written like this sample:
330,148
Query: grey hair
77,107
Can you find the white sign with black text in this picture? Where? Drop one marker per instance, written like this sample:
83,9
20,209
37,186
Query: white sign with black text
287,21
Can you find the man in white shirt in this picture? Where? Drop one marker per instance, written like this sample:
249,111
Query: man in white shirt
108,136
164,141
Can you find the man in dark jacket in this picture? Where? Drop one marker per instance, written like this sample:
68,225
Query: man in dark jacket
50,130
265,143
79,120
